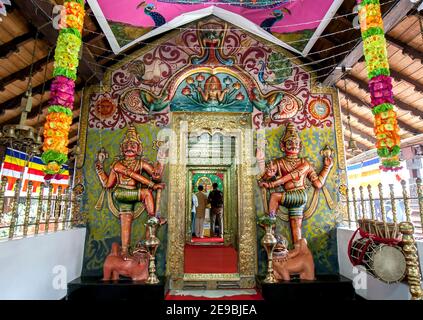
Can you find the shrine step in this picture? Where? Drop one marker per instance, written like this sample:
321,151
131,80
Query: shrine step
325,287
93,288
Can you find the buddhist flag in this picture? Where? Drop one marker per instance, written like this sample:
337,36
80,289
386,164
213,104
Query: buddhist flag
18,165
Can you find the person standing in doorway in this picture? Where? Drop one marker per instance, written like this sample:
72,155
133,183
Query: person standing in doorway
194,206
216,217
200,212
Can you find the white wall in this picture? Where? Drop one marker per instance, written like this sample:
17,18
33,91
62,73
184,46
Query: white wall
27,265
376,289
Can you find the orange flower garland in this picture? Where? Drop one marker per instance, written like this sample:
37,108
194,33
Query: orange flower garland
56,132
374,44
59,118
74,15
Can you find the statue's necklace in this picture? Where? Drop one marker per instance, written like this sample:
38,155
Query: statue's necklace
292,162
129,162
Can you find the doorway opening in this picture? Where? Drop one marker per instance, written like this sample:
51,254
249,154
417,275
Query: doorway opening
210,228
211,210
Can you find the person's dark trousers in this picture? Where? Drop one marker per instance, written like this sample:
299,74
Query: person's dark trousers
216,219
193,223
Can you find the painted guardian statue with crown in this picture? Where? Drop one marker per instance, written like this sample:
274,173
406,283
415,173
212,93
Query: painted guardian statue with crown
291,172
130,184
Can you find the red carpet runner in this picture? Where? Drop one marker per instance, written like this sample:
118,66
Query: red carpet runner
210,259
207,239
223,296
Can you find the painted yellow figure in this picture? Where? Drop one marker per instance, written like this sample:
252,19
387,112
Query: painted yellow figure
213,90
291,172
127,182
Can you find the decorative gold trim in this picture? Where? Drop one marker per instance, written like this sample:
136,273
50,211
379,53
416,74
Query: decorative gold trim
14,208
211,276
412,259
227,124
27,207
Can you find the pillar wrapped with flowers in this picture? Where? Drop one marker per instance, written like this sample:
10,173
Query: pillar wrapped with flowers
66,60
380,85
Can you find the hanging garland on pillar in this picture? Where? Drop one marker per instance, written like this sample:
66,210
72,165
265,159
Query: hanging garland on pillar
380,84
62,91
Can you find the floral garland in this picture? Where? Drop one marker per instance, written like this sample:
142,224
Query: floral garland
66,60
380,84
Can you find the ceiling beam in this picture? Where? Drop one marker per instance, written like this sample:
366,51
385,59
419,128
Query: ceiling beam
357,139
13,45
364,86
364,104
92,37
360,118
36,109
40,14
391,19
16,101
363,134
73,136
398,77
405,48
25,72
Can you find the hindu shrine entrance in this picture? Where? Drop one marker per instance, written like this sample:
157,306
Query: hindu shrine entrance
212,148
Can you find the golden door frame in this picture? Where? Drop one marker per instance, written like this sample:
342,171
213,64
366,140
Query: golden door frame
227,124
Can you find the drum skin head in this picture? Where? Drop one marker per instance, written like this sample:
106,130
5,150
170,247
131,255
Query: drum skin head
389,264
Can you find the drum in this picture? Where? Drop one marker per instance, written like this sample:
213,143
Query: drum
385,262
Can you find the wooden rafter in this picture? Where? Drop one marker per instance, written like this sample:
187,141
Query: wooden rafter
364,86
395,15
403,125
42,18
398,76
16,101
359,118
363,146
356,129
13,45
405,49
24,73
36,109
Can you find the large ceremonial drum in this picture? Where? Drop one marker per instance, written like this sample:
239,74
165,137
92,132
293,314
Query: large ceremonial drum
385,262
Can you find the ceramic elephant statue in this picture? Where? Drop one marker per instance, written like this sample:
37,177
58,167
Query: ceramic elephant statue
133,266
297,261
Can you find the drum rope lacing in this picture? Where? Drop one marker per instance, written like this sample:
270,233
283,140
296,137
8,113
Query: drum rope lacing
372,238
